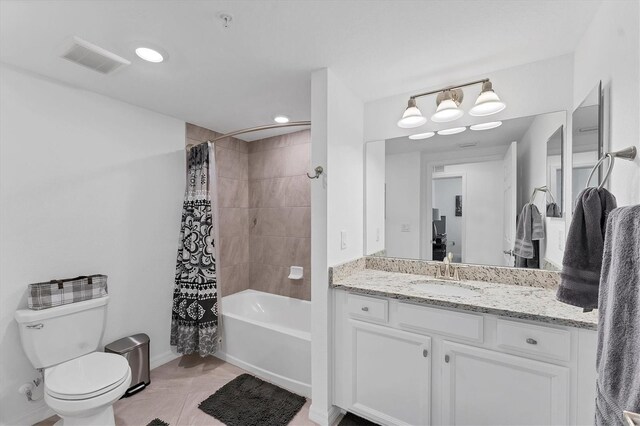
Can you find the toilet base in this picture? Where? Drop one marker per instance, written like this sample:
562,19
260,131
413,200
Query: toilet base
105,417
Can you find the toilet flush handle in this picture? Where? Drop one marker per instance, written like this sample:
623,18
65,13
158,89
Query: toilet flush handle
36,326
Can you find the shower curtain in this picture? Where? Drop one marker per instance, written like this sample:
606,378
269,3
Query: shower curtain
194,322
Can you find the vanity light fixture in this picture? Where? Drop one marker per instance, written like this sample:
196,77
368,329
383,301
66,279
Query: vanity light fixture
448,105
412,117
281,119
149,55
486,126
419,136
452,131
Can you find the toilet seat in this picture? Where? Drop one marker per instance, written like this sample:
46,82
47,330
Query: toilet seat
86,377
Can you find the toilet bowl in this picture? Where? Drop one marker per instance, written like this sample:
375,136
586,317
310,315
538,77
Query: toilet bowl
83,390
80,384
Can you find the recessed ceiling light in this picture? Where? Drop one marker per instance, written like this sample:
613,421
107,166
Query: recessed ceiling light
421,136
149,55
281,119
452,131
486,126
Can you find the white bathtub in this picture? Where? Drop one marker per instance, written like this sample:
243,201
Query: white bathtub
269,336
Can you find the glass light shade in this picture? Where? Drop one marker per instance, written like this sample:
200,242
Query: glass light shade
419,136
149,54
411,118
452,131
486,126
487,103
447,111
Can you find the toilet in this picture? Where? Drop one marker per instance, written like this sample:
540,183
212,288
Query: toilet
80,384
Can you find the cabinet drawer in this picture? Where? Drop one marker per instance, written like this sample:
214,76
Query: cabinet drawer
369,308
442,321
534,339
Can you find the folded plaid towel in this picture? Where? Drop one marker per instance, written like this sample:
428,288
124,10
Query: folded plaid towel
69,290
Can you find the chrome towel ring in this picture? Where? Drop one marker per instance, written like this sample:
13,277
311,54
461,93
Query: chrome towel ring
626,154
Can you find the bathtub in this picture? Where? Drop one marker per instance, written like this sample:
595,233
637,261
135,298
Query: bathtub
269,336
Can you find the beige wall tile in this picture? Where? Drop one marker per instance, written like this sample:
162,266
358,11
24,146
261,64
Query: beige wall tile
267,192
297,159
233,221
233,250
231,164
298,222
198,133
233,279
233,192
298,191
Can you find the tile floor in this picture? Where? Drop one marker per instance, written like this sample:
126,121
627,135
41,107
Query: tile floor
176,390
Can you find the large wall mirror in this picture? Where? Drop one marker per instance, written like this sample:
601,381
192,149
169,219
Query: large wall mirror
464,193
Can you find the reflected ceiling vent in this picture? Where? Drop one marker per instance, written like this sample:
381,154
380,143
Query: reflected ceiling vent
467,145
438,169
93,57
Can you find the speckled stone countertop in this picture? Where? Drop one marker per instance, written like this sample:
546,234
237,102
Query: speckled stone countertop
509,300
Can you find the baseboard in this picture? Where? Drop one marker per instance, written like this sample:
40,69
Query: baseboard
32,417
324,417
163,358
289,384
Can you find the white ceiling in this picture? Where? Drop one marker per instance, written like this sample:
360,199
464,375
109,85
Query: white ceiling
510,131
228,79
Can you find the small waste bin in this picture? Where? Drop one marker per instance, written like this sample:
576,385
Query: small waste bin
136,350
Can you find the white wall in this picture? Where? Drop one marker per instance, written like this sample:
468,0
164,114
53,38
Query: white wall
337,204
482,211
375,197
88,185
528,89
609,51
403,205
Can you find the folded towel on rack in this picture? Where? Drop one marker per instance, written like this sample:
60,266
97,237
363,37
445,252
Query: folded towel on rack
553,210
618,356
582,259
529,228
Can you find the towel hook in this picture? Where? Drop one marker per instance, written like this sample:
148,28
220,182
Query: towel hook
626,154
318,171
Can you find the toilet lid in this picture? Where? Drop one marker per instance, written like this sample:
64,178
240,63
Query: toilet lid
87,376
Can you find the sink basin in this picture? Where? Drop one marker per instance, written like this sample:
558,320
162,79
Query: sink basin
442,288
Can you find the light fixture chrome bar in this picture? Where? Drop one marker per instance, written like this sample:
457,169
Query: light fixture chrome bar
255,129
471,83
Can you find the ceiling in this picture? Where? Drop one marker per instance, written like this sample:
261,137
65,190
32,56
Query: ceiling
237,77
510,131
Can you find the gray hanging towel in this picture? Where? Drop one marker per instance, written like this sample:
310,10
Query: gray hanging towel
553,210
582,258
529,228
618,360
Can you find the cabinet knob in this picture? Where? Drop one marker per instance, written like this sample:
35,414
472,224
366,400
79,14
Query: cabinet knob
365,308
446,358
532,341
425,353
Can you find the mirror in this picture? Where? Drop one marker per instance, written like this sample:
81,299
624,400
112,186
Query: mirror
555,175
586,139
463,193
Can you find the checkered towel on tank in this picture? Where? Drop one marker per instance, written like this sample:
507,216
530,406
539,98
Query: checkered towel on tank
70,290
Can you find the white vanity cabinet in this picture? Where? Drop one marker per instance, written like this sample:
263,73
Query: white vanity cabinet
399,363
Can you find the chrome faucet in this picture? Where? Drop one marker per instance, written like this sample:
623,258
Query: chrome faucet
450,272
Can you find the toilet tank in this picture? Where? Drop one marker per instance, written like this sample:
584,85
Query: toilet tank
55,335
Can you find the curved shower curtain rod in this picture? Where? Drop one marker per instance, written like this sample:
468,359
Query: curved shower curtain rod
255,129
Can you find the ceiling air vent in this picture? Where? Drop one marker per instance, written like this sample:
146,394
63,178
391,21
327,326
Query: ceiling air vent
467,145
94,57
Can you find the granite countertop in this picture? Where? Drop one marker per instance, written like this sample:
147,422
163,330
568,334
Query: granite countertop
509,300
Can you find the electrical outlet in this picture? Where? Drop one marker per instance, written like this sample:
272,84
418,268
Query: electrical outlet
343,240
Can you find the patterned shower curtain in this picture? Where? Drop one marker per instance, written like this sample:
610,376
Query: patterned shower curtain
194,322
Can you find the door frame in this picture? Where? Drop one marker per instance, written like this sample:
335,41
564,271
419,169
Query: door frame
463,232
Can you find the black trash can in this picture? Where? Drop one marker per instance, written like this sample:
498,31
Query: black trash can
136,350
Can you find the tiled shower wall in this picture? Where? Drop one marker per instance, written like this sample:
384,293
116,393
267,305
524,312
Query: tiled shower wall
280,214
263,212
232,157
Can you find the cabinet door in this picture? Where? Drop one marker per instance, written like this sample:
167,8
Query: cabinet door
482,387
391,374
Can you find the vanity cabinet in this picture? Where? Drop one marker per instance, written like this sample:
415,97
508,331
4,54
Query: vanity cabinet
484,387
391,374
400,363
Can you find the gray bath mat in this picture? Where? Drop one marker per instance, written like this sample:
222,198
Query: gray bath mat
351,419
249,401
158,422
